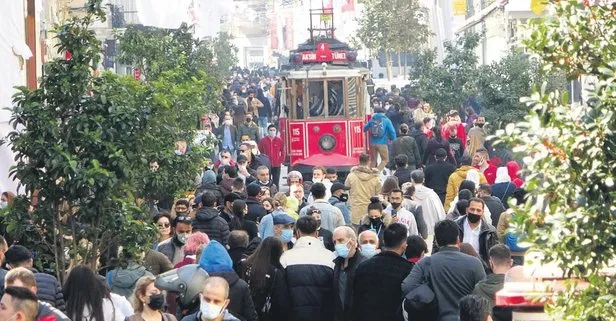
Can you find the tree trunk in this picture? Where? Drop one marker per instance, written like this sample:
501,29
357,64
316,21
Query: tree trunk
388,64
399,64
406,61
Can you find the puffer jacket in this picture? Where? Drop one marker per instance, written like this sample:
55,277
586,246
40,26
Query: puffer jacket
216,262
407,145
122,281
48,290
455,179
364,182
309,277
208,221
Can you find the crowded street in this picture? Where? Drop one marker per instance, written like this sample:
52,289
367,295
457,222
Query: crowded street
373,160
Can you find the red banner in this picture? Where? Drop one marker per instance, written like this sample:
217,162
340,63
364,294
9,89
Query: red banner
324,54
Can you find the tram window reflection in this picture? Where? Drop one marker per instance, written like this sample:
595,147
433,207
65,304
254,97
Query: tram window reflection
316,102
335,97
352,96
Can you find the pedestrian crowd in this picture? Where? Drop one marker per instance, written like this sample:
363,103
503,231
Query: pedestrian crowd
330,247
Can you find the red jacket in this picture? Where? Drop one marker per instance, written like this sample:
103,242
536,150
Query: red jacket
489,173
274,149
461,133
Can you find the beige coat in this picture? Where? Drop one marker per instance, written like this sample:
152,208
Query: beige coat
364,183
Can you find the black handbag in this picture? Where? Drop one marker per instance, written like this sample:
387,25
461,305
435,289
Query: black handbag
421,303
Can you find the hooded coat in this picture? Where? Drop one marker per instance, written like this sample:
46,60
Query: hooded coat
514,168
122,281
216,262
208,221
364,182
432,208
455,179
389,133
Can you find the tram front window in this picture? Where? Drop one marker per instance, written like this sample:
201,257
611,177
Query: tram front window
335,97
316,101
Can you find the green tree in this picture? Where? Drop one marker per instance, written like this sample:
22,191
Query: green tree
449,84
392,26
179,71
570,214
73,141
225,53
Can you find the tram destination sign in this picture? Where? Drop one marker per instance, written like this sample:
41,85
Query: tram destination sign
323,54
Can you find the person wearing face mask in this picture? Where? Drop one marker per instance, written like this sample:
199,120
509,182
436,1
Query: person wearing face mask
273,146
248,128
172,248
369,243
478,130
6,199
475,231
227,135
324,235
375,220
283,229
339,199
214,300
148,302
399,214
481,162
309,268
348,259
376,288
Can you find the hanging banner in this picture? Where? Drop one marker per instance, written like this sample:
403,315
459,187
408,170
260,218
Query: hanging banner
459,7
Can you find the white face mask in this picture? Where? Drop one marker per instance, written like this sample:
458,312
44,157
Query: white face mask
207,132
228,122
210,311
3,204
271,133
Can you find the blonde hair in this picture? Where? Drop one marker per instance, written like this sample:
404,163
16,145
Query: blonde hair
475,143
140,288
280,199
22,274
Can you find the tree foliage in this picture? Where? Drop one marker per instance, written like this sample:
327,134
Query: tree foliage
74,144
570,215
496,87
392,26
179,72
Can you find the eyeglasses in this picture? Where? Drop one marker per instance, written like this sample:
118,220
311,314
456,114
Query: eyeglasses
315,211
163,225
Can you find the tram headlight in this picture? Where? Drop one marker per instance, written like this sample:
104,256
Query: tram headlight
327,142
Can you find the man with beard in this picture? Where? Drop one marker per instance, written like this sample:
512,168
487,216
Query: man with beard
172,248
475,231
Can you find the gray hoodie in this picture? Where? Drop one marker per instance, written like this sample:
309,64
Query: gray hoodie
122,281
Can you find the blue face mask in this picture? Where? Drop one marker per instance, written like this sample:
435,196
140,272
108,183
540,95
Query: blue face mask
342,250
368,250
286,235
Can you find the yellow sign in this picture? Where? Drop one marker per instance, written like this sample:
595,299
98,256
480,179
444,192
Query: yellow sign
459,7
537,6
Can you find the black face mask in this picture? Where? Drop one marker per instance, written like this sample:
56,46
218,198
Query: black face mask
344,197
376,221
480,125
395,206
473,218
156,301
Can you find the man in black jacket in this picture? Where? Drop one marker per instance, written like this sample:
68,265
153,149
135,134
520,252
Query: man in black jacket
403,173
437,174
475,231
406,145
346,263
377,292
48,289
420,137
453,274
494,204
256,211
209,221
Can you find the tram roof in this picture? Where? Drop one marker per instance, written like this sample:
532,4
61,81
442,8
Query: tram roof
330,71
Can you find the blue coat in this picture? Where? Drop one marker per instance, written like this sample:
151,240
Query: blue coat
388,127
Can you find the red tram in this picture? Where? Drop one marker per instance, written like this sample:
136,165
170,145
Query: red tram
326,102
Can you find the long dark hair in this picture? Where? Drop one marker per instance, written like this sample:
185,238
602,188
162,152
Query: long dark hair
84,289
237,208
259,263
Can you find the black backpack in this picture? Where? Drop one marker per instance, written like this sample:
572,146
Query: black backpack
421,303
377,129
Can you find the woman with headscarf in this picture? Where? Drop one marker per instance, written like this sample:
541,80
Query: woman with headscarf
503,187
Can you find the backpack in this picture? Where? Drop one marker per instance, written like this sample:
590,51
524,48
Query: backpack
377,128
421,302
